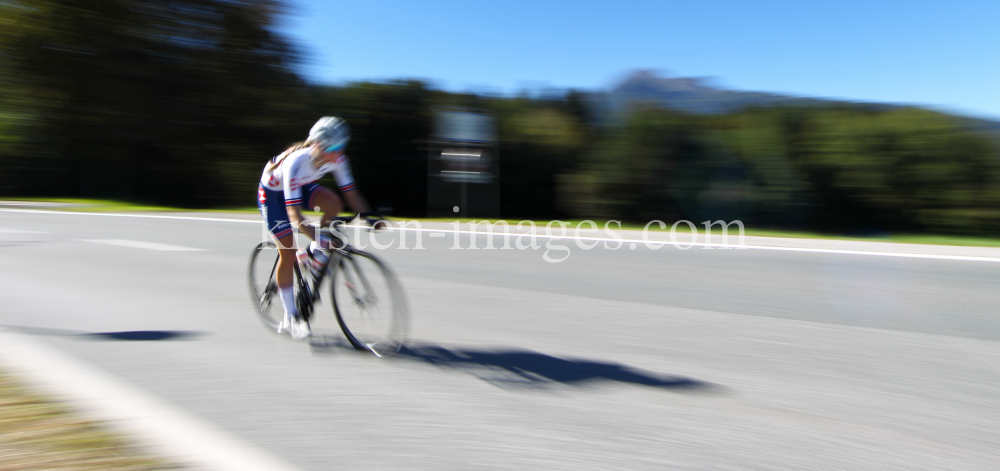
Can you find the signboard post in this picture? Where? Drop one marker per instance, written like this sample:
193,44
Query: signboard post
463,171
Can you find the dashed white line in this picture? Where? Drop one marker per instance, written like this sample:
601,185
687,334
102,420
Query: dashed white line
138,244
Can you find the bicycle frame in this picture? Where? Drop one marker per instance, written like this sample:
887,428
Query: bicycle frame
336,255
309,292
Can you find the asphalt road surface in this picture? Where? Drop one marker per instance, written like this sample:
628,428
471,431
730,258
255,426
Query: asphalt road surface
611,359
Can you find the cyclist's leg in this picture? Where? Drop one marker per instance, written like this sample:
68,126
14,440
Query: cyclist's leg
285,275
328,202
272,209
285,278
286,261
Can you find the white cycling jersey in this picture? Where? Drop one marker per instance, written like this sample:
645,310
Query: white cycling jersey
297,170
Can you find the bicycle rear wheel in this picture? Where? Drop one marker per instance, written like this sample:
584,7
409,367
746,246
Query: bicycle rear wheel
264,286
369,304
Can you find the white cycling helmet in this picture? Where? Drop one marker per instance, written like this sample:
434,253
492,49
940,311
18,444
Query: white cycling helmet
331,132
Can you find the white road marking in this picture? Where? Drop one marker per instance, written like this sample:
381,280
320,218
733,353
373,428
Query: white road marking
597,239
18,231
165,428
137,244
146,216
660,243
32,203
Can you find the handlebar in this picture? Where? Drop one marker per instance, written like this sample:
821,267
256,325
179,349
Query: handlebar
366,215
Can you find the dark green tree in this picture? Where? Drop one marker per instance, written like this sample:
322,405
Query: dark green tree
171,101
857,169
539,139
660,165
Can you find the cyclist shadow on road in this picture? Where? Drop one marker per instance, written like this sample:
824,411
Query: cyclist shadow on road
518,368
526,368
128,336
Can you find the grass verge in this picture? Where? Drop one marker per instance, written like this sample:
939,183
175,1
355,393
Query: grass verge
37,434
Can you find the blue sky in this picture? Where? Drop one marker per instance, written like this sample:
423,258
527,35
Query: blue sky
940,54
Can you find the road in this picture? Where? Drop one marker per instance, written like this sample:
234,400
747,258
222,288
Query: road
612,359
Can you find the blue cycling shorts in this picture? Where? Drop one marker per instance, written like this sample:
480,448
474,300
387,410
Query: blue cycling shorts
272,207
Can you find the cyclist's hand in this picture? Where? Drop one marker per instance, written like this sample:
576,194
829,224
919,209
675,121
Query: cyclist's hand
379,224
324,240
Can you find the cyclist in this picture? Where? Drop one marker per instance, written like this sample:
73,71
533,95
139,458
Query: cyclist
289,183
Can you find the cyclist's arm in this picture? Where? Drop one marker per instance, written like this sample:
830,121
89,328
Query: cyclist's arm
356,201
348,188
297,220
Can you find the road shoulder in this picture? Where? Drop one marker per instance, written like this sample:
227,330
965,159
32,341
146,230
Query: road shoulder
161,428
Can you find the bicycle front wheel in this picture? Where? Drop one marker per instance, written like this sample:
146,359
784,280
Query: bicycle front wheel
369,304
264,286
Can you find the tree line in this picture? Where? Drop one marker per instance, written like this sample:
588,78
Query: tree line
181,102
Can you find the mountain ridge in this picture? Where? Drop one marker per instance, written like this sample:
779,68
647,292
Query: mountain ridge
696,95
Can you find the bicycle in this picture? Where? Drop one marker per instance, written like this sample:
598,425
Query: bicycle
367,299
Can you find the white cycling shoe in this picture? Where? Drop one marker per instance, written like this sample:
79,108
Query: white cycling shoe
297,327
